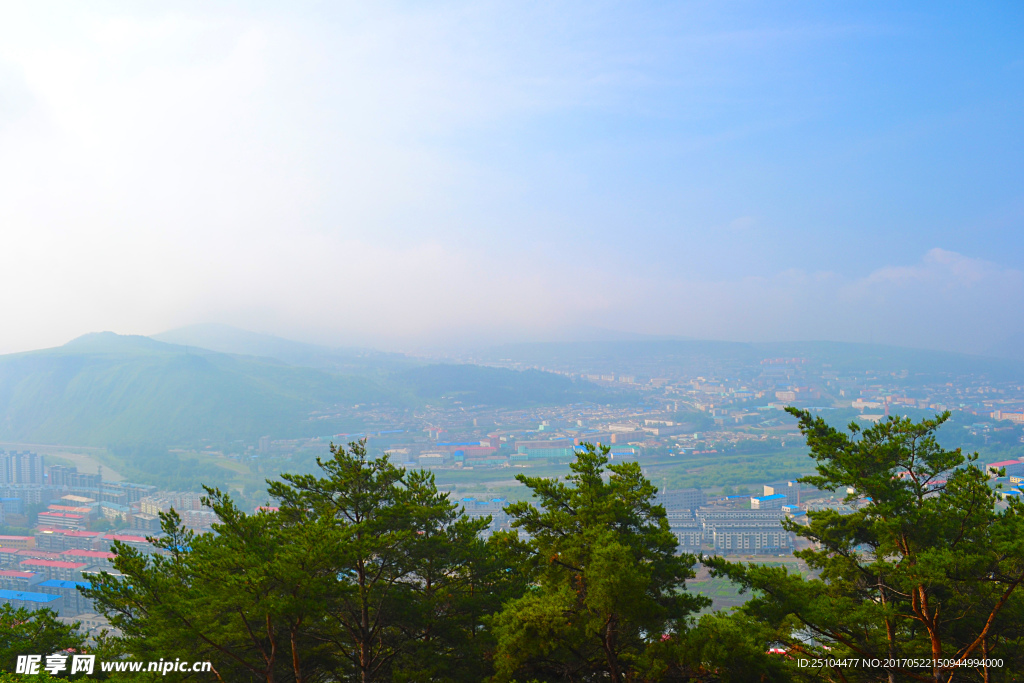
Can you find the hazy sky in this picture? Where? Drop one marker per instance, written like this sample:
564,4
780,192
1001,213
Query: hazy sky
397,174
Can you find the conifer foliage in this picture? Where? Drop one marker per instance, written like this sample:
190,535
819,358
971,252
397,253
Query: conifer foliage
610,586
924,581
367,573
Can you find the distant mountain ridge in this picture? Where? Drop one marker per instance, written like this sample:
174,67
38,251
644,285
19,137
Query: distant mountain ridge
688,353
106,389
227,339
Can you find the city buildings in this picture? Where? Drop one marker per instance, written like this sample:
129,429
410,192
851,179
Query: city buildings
774,501
678,421
20,468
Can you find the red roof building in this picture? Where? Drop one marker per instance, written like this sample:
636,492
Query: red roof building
61,519
87,555
56,569
56,564
16,574
37,554
14,580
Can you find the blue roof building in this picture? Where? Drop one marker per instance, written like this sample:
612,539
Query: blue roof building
31,600
27,595
772,502
69,585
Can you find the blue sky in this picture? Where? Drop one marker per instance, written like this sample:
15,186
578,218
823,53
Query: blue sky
409,174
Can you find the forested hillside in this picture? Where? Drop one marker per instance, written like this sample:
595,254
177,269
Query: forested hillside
106,389
110,390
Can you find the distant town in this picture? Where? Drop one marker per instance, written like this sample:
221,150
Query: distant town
69,519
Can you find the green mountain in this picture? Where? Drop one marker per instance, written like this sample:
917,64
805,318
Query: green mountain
110,390
406,378
105,389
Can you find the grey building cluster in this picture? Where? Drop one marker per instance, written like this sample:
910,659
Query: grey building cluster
747,532
679,507
723,530
25,481
21,468
70,477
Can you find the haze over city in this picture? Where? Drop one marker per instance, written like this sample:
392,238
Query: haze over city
401,175
561,342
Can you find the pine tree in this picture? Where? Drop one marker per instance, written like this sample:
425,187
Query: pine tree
244,598
38,632
366,573
609,585
929,569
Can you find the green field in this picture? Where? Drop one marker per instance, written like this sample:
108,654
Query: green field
724,593
710,471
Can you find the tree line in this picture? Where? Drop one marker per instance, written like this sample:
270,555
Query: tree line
366,572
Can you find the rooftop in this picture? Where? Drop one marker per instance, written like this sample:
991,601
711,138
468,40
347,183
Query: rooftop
53,563
89,553
57,583
27,596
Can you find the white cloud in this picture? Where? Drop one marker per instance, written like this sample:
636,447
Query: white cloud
946,271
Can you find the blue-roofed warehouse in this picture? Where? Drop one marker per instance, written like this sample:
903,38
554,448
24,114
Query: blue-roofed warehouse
31,600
